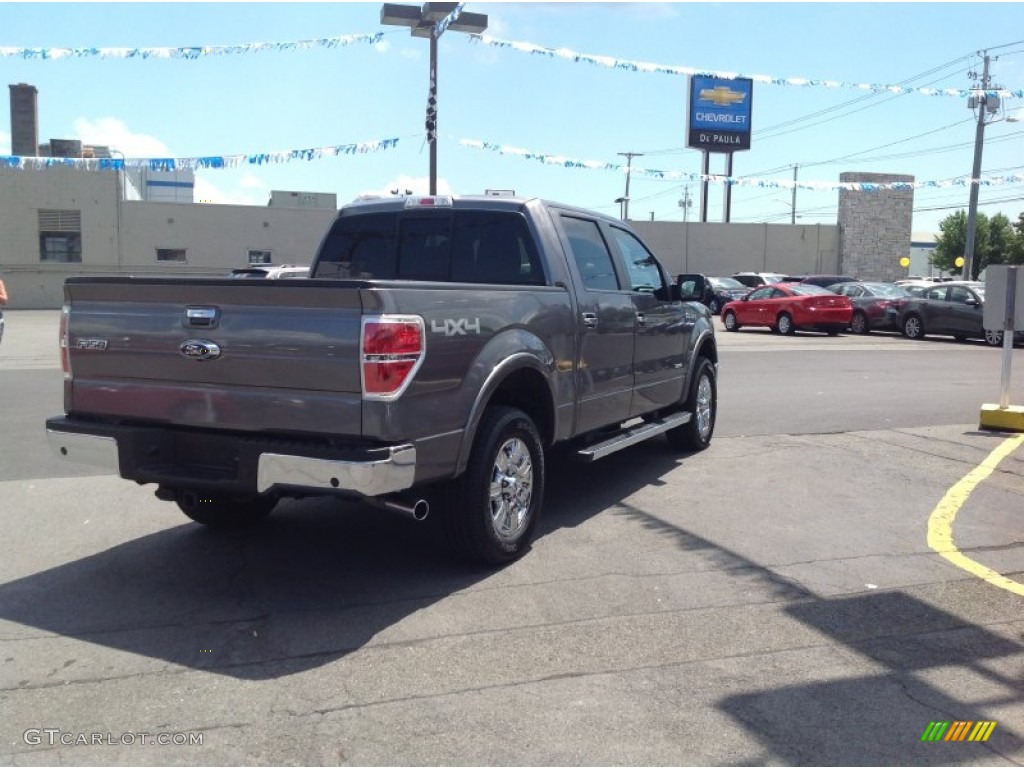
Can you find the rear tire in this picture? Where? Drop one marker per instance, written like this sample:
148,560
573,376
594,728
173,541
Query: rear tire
702,403
496,502
859,324
784,324
224,512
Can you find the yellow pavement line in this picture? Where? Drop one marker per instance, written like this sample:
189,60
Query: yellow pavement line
940,523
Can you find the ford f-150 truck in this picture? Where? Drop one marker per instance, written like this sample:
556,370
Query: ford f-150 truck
440,343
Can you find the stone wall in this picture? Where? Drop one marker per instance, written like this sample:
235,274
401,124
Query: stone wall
874,227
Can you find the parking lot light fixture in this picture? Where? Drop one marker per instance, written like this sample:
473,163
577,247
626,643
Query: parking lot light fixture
431,21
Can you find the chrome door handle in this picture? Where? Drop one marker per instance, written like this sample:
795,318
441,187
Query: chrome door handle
589,320
640,319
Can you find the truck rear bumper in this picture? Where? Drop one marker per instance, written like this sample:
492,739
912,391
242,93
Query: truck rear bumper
229,463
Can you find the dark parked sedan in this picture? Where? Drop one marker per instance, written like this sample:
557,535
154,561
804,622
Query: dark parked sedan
724,290
875,305
949,309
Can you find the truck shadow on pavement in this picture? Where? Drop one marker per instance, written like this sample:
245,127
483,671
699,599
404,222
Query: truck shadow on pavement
925,659
318,579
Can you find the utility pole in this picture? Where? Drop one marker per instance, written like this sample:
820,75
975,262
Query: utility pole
686,202
984,103
629,170
792,216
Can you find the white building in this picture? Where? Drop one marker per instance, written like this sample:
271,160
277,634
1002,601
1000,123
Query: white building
61,222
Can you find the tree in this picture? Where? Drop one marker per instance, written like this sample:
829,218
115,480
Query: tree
1017,246
996,241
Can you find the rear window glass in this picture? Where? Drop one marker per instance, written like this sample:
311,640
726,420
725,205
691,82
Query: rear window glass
466,246
806,289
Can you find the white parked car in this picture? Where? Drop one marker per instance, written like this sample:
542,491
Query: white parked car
268,272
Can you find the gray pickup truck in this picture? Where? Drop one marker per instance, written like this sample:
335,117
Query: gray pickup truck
440,348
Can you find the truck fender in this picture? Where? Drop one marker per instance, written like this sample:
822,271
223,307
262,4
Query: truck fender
703,346
503,356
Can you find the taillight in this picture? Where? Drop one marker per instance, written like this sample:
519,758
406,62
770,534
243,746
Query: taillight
393,349
65,358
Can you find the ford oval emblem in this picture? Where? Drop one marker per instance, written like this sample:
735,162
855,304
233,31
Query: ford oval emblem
198,349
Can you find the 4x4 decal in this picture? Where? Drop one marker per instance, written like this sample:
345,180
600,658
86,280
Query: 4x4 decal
460,326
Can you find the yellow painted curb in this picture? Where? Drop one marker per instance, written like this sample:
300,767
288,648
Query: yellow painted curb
1009,419
940,523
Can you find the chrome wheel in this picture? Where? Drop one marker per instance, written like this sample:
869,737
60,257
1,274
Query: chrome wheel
784,324
913,328
993,338
859,323
729,321
705,403
511,490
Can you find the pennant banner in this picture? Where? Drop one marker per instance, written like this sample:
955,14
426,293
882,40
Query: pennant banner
216,162
665,69
566,162
189,52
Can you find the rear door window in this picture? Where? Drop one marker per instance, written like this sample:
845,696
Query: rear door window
590,252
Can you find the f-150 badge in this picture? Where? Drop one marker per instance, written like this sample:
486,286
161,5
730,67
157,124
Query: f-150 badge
458,327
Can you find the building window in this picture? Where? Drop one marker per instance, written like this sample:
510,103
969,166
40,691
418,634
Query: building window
171,254
260,257
60,236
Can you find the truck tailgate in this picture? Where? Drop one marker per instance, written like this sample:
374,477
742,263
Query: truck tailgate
279,356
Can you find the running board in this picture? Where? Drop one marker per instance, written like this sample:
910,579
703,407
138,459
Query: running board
633,435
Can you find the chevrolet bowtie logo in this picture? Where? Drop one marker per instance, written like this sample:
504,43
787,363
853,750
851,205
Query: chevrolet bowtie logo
722,96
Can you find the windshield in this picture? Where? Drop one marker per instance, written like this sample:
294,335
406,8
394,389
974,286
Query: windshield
726,283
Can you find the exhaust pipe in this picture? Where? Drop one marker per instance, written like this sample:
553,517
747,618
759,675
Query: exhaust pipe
418,509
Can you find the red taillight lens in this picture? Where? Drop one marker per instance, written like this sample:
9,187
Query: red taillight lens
392,350
65,358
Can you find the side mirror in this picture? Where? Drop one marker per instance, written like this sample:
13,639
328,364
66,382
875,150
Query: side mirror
972,303
694,288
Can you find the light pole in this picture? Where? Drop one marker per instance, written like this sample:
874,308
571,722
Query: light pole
119,182
431,21
623,206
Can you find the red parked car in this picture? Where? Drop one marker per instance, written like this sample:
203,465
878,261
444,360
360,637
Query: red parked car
784,307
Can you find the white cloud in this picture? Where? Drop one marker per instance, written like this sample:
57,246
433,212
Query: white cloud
112,132
252,181
207,192
384,46
417,185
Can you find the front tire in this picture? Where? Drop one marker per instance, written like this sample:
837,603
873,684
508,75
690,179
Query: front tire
715,307
216,510
729,321
498,499
702,403
913,328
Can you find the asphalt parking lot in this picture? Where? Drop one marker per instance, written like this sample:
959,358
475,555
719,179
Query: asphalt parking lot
779,599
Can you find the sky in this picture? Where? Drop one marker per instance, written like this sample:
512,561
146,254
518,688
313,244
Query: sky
249,102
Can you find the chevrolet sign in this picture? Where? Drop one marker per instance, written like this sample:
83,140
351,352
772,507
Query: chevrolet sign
719,114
